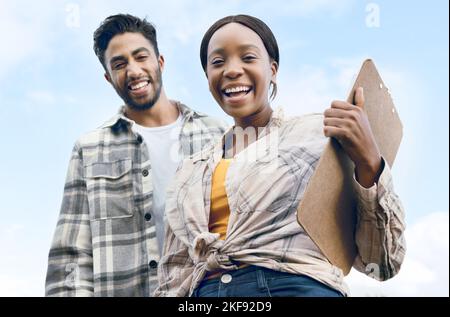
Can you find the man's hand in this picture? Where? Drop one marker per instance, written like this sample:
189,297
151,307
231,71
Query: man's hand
350,126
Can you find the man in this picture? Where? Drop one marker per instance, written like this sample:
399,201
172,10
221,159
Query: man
111,225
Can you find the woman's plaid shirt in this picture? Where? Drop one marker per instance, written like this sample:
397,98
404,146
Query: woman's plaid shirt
264,189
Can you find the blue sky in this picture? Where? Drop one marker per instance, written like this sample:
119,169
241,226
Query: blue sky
53,90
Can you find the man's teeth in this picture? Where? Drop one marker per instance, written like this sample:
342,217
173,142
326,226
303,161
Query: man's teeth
236,89
139,85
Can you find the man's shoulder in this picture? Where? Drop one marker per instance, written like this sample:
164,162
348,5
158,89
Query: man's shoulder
90,138
98,135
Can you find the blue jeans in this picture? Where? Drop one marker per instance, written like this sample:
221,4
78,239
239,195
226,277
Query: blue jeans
256,281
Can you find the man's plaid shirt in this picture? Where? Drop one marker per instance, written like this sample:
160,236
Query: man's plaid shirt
105,240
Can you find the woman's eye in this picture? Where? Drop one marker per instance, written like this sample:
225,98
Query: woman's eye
217,62
249,58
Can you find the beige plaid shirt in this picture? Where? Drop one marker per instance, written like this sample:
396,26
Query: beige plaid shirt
263,191
105,239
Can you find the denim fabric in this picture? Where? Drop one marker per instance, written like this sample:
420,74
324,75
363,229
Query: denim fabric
256,281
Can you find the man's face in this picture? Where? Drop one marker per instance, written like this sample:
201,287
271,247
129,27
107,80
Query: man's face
134,70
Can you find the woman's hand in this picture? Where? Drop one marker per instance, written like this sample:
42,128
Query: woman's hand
350,126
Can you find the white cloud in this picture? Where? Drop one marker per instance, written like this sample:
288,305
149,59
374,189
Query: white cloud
312,88
41,97
300,8
425,269
21,285
28,31
24,261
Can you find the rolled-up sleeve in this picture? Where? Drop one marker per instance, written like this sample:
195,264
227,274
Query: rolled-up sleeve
70,265
380,228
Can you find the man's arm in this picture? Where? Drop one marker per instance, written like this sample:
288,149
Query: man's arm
70,265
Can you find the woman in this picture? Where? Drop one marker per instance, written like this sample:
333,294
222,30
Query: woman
231,210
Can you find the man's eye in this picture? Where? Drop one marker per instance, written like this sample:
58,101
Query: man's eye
142,57
119,66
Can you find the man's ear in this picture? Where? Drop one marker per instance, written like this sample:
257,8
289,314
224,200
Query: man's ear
108,78
161,62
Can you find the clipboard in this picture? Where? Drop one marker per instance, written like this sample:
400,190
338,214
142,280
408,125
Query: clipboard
327,210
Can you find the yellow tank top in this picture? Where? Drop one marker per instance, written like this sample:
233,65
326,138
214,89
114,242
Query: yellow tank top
220,210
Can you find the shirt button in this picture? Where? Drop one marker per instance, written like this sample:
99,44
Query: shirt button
145,173
139,139
226,278
148,216
153,264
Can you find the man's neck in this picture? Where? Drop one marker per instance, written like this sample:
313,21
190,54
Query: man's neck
162,113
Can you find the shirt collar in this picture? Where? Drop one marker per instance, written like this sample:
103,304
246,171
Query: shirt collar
121,119
216,150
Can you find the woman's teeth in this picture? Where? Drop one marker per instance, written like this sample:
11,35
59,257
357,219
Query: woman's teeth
236,90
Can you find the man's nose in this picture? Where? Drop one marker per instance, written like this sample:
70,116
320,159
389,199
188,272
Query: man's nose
134,70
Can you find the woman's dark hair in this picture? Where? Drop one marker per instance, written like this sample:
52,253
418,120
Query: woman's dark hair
119,24
255,24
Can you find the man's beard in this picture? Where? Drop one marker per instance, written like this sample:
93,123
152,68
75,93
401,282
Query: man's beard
157,86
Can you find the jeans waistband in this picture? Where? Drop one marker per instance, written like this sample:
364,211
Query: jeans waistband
246,274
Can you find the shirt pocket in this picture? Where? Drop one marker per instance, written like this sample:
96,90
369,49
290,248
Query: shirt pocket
110,189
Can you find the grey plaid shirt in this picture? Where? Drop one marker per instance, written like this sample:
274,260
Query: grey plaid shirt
263,191
105,240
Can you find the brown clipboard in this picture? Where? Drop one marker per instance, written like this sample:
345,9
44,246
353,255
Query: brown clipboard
327,210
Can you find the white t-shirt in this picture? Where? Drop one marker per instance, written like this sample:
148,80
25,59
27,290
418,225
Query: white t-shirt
165,155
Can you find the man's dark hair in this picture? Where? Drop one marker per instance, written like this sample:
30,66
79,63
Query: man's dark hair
119,24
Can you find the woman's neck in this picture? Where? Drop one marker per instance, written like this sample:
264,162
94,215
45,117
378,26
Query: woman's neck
256,120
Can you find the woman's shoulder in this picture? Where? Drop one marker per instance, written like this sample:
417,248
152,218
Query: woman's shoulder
309,118
307,124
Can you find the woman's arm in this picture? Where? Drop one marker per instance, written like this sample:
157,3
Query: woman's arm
379,229
380,216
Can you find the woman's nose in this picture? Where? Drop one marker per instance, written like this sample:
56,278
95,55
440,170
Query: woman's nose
233,69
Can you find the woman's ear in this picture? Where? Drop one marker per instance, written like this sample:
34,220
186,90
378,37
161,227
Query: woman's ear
274,69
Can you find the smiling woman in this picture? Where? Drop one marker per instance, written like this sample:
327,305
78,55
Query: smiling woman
232,227
229,48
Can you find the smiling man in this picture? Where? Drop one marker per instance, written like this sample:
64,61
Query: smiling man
110,231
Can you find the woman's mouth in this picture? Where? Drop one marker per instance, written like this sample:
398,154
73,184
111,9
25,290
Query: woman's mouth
236,94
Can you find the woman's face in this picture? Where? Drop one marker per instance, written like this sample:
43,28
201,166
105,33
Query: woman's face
239,71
